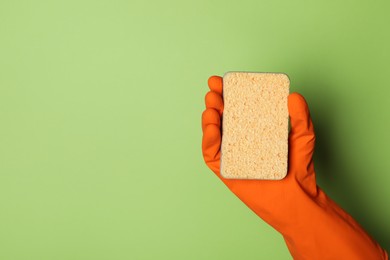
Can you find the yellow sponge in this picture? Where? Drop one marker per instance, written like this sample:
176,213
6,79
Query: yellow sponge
255,125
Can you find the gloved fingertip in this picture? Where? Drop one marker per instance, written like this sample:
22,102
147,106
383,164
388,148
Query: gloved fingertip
215,84
297,105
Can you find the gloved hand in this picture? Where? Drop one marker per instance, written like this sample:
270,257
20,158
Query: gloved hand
313,226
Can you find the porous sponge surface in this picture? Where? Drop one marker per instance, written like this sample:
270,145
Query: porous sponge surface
255,125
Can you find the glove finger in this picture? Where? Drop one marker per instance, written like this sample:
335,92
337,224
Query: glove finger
215,84
214,100
210,116
301,140
211,144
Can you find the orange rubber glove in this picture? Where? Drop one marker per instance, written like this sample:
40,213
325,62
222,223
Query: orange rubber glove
312,225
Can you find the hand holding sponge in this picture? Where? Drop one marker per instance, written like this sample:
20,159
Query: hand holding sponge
313,226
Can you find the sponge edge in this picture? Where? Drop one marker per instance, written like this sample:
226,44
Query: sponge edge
255,126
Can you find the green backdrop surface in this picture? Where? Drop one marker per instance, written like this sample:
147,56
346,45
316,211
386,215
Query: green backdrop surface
100,107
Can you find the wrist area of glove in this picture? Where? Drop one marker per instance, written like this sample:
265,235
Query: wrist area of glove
328,232
314,227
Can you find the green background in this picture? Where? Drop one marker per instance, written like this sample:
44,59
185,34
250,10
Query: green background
100,108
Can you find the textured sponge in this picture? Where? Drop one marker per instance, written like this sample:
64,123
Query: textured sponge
255,125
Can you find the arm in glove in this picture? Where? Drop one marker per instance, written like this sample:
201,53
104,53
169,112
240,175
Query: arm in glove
313,226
